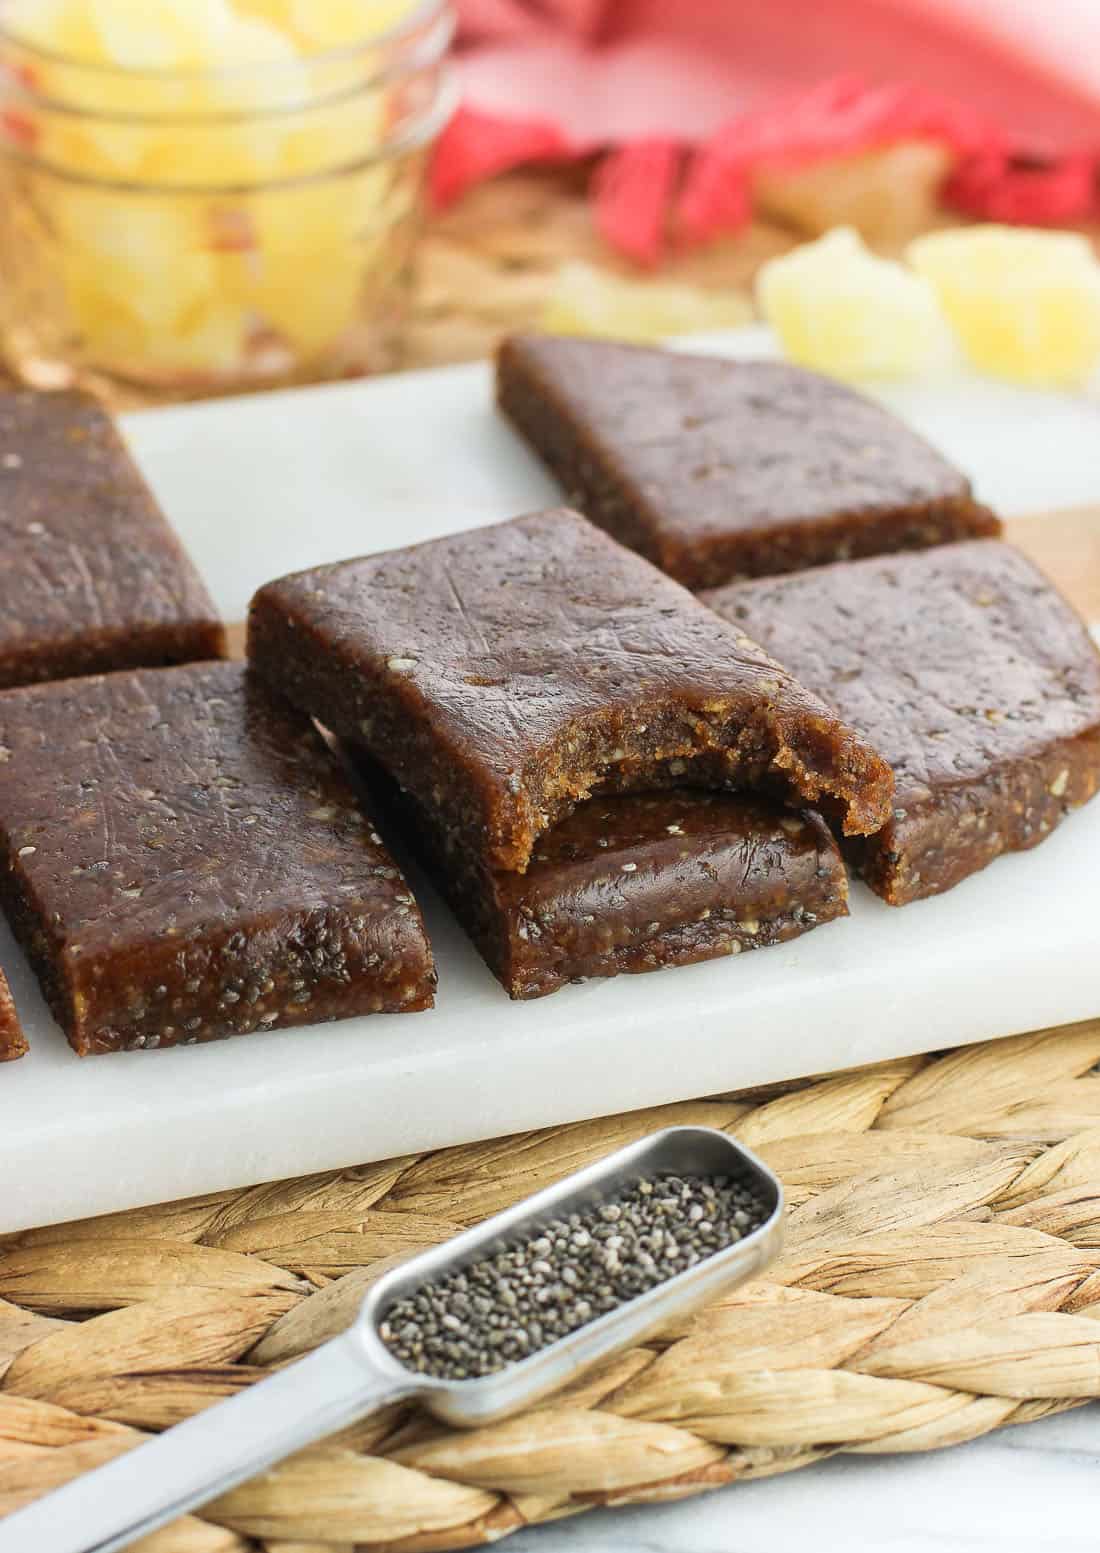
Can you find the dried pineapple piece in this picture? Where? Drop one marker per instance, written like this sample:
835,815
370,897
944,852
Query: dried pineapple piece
239,134
67,30
60,25
339,133
225,78
590,301
126,328
291,259
157,34
189,284
275,12
329,24
841,309
1025,303
312,301
105,323
211,342
144,263
249,40
297,221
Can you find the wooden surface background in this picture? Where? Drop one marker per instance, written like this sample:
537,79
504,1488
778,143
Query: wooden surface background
1067,546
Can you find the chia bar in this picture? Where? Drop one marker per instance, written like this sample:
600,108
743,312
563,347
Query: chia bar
92,577
504,675
972,675
182,859
13,1043
632,884
719,469
505,1307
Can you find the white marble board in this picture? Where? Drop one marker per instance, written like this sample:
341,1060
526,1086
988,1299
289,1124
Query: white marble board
263,485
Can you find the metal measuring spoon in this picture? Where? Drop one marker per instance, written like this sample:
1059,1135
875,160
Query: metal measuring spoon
354,1374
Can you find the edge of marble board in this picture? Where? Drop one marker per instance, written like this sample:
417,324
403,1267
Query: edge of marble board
131,1129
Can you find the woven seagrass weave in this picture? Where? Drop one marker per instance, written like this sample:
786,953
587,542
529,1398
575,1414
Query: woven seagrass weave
941,1279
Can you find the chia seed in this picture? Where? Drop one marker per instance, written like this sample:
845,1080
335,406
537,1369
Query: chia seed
497,1311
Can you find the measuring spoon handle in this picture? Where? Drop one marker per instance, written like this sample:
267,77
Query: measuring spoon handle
207,1455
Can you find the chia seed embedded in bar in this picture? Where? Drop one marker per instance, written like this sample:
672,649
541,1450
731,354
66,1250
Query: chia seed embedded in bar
92,577
183,859
719,469
971,674
505,674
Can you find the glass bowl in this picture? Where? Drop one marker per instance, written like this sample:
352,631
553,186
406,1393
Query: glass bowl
197,231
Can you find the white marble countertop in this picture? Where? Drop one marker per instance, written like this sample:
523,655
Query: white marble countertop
1033,1489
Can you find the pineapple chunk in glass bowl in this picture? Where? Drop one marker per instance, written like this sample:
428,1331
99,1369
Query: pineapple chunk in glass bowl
203,196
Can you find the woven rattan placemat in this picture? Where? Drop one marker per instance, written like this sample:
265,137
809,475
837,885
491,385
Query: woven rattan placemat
941,1279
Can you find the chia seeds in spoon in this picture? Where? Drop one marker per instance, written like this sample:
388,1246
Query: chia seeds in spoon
507,1306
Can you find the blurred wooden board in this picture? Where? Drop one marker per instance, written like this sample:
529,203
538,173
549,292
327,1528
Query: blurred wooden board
1067,546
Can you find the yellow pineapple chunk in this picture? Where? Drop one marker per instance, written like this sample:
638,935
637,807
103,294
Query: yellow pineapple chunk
108,328
344,130
317,25
312,301
299,263
141,340
590,301
276,13
1025,303
841,309
246,40
195,64
330,24
192,283
209,343
158,34
133,275
63,26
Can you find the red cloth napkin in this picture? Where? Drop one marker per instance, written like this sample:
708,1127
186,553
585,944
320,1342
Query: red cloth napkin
688,96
